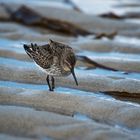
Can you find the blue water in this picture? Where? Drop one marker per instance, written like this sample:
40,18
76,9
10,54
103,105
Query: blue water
11,45
81,117
57,89
64,90
14,62
98,71
115,74
110,54
104,72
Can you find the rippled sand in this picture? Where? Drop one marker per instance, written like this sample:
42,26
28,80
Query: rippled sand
105,105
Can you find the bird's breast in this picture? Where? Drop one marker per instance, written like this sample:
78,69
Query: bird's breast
55,70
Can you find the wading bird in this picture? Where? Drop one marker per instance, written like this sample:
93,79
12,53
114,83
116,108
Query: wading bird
55,58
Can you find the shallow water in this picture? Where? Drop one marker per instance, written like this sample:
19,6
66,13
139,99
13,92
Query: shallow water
97,7
17,47
128,40
110,54
81,70
116,74
58,89
82,117
106,102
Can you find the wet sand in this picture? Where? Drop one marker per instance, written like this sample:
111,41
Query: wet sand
105,105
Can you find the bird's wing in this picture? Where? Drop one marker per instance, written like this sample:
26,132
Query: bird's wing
42,55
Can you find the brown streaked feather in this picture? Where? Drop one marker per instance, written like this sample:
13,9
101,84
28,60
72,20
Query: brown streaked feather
54,56
64,53
42,55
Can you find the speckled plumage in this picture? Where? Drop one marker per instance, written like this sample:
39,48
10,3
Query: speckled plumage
55,58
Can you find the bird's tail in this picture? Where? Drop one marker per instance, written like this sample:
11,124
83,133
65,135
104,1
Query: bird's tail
29,49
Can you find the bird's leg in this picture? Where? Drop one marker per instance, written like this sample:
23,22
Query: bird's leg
47,79
53,83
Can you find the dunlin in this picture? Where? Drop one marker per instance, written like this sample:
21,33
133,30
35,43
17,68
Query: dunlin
56,59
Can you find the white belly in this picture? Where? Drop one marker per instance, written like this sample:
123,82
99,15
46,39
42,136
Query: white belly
53,70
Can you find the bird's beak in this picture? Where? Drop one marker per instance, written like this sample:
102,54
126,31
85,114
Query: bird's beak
73,73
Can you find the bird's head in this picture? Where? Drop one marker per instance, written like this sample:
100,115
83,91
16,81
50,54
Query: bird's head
69,64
